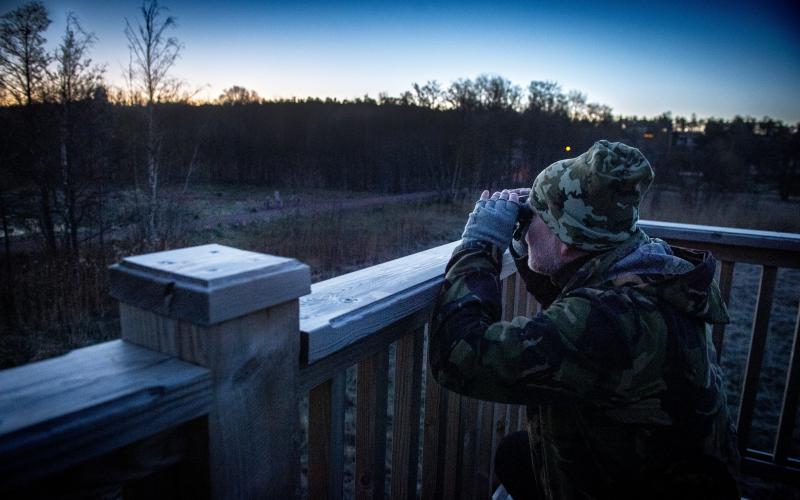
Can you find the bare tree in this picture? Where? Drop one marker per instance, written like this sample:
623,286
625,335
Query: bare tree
74,80
153,55
238,95
23,77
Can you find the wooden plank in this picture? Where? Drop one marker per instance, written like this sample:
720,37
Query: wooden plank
755,355
253,420
452,458
371,394
433,442
725,282
316,373
728,236
405,441
508,297
761,464
520,308
326,439
483,478
341,310
207,284
469,448
499,429
791,392
522,421
66,410
749,255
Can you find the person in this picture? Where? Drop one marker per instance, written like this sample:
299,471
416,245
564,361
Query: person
624,395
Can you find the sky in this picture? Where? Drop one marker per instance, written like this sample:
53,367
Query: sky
641,58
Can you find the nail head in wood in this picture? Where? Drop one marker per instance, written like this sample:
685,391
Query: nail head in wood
207,284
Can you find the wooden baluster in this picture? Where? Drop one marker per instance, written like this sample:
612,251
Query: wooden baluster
508,297
433,449
725,281
483,477
756,355
452,460
790,396
405,442
371,426
522,421
521,298
326,439
237,314
469,447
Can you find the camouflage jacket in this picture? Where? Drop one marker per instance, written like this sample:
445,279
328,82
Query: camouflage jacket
618,371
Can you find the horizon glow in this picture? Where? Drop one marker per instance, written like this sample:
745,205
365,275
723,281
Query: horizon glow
715,60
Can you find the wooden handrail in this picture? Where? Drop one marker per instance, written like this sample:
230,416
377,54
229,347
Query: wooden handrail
237,315
64,411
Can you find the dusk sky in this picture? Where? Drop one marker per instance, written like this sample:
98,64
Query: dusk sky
714,59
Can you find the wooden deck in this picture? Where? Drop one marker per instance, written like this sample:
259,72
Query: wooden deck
224,344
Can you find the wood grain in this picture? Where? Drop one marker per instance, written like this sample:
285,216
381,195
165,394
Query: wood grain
725,282
452,451
370,472
405,440
207,284
67,410
326,439
755,355
254,416
783,440
433,448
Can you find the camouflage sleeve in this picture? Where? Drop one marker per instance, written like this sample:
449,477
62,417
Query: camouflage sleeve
526,360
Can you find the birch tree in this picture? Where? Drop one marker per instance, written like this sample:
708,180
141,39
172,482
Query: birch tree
153,54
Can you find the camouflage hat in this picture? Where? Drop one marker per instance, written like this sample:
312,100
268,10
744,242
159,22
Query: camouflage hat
592,202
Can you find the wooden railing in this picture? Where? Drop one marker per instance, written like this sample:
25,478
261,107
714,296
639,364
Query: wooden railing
221,345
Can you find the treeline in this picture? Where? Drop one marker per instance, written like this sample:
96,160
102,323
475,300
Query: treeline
68,138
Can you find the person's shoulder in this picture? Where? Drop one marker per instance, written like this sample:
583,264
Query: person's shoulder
601,322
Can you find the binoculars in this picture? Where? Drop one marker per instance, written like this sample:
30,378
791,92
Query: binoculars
524,218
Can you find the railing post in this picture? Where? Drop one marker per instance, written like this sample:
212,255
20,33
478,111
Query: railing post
236,313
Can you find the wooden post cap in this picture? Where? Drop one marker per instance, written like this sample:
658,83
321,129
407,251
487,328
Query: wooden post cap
207,284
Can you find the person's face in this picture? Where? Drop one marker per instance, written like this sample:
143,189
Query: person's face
544,248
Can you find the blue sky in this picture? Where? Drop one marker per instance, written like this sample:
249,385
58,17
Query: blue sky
643,58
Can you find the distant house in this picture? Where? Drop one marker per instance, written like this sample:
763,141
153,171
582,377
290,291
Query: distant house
686,140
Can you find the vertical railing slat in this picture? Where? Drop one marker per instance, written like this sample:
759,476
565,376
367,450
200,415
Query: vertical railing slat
433,437
755,356
452,460
483,474
469,408
521,301
371,426
508,297
790,397
326,439
725,281
405,442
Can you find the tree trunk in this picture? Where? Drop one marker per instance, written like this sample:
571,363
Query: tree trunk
9,306
152,177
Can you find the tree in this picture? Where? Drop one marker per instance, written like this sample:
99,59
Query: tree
496,92
74,82
153,54
546,96
429,95
23,58
23,77
238,95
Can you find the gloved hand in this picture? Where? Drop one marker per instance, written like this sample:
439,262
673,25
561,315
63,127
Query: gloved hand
493,219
